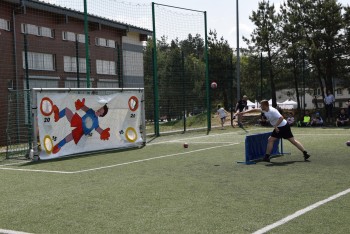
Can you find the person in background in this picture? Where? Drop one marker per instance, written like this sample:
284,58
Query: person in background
306,120
222,113
349,107
290,119
314,101
342,119
329,101
317,120
240,107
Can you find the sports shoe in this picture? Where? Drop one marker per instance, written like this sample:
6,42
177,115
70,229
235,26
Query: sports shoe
306,156
266,158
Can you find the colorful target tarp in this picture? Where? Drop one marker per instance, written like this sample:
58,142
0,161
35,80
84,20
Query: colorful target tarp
71,123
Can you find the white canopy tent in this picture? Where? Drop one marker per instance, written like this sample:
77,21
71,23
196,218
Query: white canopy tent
251,105
288,104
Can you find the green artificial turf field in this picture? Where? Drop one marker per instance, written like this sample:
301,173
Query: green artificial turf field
166,188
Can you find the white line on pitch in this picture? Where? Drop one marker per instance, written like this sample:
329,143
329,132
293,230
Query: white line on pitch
197,137
33,170
301,212
149,159
10,164
3,231
116,165
201,142
326,134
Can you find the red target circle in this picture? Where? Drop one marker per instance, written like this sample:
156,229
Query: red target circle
133,103
46,106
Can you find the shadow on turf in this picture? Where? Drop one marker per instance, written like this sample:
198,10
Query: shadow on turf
77,156
280,164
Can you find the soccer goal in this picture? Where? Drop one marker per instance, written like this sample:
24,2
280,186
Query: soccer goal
70,121
18,130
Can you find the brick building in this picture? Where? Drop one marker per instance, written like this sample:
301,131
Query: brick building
55,45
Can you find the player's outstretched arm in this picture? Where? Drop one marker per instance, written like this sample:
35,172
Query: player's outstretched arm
248,111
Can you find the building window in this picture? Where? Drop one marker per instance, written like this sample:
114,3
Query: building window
37,30
73,83
111,43
30,29
71,36
105,67
70,64
81,38
5,24
317,91
39,61
46,32
105,42
339,91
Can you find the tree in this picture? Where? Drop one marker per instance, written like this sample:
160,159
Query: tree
220,67
266,37
292,39
322,23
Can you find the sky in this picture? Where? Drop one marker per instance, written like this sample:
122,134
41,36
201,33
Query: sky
221,14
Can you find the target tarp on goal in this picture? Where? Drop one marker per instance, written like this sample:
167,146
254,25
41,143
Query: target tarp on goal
72,123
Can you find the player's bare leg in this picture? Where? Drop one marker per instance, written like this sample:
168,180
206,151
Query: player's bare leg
299,146
270,143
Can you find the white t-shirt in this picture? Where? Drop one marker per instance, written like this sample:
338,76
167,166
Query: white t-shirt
273,116
221,112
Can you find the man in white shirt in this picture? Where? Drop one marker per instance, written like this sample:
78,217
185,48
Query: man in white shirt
281,130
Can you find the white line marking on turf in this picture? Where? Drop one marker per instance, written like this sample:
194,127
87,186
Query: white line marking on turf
301,212
33,170
197,137
149,159
201,142
3,231
326,134
9,164
117,165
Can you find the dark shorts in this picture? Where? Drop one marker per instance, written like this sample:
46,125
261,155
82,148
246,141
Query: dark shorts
285,132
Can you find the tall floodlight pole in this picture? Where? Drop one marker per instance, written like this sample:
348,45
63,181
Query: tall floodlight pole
87,54
155,74
238,56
